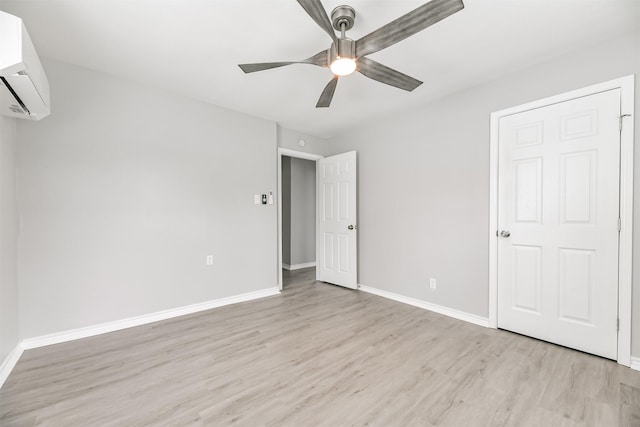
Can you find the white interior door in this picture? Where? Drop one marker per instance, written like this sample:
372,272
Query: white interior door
337,249
558,211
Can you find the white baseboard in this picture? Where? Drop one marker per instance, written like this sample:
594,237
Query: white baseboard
298,266
456,314
9,363
130,322
635,363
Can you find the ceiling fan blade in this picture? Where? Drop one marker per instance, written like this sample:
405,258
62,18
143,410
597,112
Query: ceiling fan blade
252,68
316,11
327,93
320,59
407,25
376,71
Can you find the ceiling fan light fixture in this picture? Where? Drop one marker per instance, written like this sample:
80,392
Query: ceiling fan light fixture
343,66
342,57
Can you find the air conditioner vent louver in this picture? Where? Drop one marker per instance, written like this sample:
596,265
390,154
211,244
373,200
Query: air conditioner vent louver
17,109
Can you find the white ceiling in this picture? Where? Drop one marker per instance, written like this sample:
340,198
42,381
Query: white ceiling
191,47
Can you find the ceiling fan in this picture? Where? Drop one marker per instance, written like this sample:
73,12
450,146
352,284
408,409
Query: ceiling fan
346,56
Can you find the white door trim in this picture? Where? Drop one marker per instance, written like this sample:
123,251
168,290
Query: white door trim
626,86
300,155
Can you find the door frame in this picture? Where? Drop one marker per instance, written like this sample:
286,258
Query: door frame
625,261
299,155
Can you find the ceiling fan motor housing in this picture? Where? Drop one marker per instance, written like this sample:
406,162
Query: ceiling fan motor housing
345,48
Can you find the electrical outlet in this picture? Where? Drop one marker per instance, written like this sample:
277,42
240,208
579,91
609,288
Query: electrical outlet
432,283
209,259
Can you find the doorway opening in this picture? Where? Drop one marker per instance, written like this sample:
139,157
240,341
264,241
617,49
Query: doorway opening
297,217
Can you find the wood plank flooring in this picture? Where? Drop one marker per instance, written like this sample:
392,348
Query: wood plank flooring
316,355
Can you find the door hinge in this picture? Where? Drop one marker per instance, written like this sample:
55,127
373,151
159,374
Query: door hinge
620,120
618,324
619,224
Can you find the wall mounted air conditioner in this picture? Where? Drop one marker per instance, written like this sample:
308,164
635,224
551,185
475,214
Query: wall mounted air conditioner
24,89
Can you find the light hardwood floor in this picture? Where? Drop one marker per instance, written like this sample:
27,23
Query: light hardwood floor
316,355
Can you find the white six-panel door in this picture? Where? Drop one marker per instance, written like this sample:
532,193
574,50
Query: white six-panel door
558,210
337,250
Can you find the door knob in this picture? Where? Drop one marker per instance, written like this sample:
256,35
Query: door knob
352,227
505,233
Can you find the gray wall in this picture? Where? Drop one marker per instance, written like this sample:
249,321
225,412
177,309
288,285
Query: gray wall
286,210
424,181
125,190
9,326
303,211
